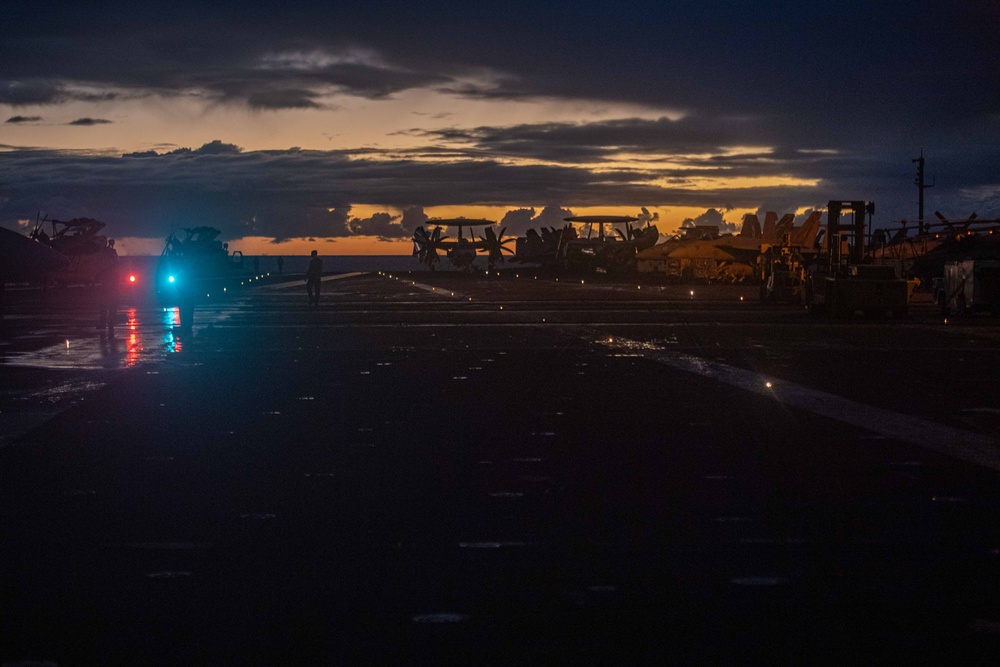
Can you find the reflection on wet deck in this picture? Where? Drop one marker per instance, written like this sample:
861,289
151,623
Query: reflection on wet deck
147,335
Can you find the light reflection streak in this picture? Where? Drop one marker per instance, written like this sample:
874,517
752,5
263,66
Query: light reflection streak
171,320
144,336
170,343
134,348
172,317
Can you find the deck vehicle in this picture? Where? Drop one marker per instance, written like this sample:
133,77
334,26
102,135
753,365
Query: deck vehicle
192,267
842,280
969,285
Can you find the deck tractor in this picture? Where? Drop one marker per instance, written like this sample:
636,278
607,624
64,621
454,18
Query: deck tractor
843,280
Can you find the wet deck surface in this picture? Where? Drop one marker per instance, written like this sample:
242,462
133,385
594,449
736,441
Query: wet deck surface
432,469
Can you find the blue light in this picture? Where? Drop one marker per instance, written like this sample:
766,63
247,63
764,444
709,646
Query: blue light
170,279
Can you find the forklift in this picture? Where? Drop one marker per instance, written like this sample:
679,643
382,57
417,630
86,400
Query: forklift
843,280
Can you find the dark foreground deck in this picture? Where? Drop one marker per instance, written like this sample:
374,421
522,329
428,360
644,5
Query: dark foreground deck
439,470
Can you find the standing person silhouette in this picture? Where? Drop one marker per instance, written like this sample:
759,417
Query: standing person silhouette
109,287
313,275
281,265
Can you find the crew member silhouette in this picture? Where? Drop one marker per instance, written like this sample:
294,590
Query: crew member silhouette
313,275
108,295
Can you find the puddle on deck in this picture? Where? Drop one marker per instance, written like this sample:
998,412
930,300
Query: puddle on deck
145,336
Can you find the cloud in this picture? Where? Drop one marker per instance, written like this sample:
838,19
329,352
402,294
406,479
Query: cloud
712,217
552,216
23,119
295,193
645,217
518,221
283,98
383,225
413,217
23,93
215,147
246,74
89,121
705,142
706,58
44,91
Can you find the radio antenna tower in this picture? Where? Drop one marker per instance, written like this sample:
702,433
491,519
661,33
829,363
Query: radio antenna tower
921,186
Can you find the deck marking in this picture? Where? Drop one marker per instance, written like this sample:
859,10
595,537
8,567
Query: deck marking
433,289
965,445
301,281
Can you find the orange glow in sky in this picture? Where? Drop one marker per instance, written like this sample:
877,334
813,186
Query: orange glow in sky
668,223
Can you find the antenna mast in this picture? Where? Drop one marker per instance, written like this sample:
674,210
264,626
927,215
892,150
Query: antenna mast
921,186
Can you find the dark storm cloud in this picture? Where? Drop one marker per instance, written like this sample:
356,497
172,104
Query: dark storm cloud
296,193
283,98
23,119
674,151
851,76
86,122
843,69
22,93
289,193
288,86
17,93
249,64
585,142
874,83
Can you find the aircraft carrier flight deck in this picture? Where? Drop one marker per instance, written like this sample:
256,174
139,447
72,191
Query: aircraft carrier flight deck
432,468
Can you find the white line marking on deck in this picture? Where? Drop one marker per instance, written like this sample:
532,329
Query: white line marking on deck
965,445
440,291
302,283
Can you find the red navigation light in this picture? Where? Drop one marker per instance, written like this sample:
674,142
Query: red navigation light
131,278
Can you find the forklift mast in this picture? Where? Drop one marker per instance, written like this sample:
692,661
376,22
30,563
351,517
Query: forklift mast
842,283
851,234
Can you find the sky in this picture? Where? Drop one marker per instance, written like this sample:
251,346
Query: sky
343,126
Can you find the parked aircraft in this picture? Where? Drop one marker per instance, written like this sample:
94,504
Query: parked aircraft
702,253
599,252
463,250
79,241
25,260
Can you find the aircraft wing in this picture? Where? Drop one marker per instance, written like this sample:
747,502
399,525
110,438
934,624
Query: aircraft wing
22,259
